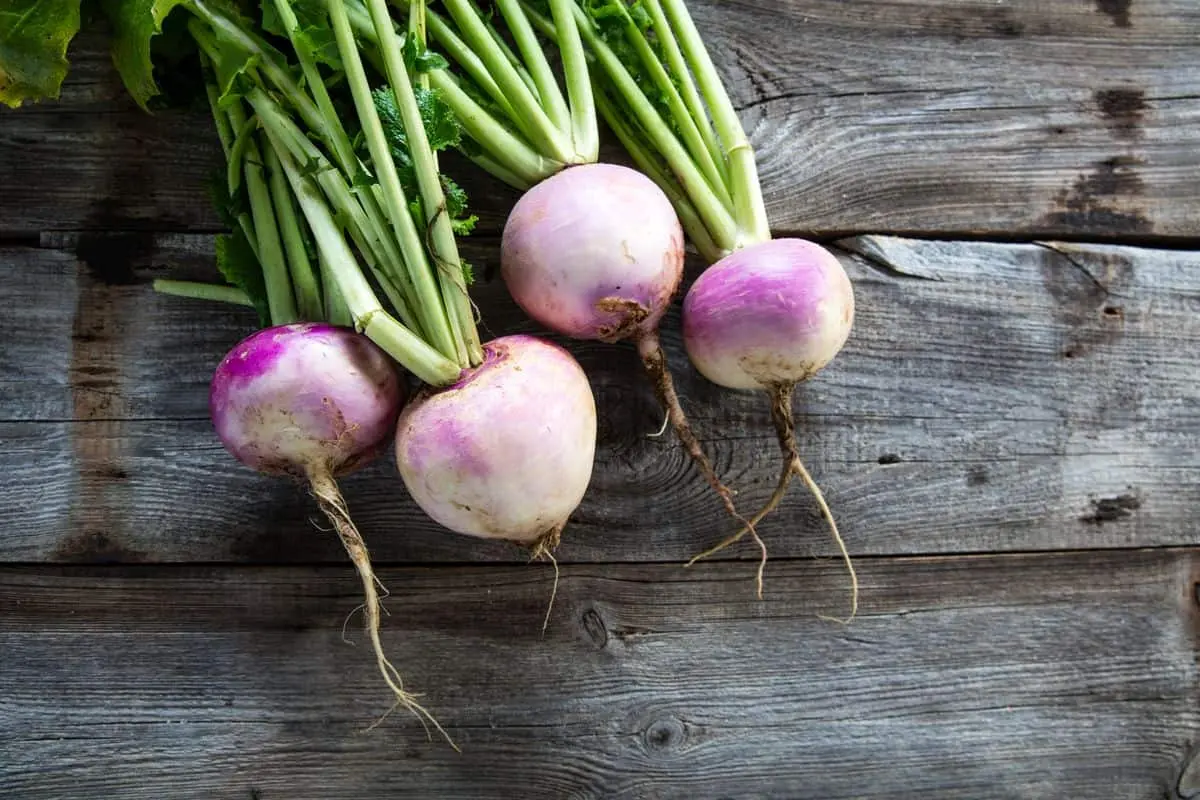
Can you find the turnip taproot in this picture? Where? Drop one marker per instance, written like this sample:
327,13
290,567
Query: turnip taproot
314,402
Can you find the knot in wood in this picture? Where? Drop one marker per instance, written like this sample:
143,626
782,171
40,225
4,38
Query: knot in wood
593,625
667,733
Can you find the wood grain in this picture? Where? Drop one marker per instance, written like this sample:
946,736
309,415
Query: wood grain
989,677
991,398
1026,118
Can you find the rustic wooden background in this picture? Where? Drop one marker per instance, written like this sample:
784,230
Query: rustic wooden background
1010,441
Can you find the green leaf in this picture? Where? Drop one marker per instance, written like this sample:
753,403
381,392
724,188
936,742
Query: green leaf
419,58
238,265
312,34
441,126
613,20
235,70
34,35
456,208
228,207
135,23
443,131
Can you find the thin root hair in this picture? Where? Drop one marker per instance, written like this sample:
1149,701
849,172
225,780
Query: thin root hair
329,498
785,426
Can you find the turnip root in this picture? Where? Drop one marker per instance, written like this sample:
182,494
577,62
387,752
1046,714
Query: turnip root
507,451
596,252
767,317
314,402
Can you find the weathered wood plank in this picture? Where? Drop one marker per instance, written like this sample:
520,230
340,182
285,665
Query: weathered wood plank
1027,117
992,397
1050,676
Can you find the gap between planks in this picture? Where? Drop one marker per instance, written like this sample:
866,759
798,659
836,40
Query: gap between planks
829,560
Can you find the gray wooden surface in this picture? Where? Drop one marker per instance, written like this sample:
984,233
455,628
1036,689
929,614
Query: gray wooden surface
996,676
1033,117
1009,441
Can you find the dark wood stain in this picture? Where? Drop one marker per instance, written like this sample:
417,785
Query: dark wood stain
96,547
1082,286
112,258
1112,509
965,24
1103,200
1123,110
1118,10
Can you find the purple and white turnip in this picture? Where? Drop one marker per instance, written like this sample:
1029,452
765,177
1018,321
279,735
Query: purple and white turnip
766,317
506,452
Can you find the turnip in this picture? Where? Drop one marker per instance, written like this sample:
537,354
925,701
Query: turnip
572,260
766,317
507,451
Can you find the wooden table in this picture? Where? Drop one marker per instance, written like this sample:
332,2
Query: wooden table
1011,442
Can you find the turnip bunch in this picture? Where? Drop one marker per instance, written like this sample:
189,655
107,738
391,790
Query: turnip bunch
592,251
334,196
769,313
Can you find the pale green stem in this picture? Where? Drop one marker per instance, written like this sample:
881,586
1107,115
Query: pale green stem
442,244
678,111
416,29
501,172
246,165
220,121
275,269
371,217
225,135
502,43
585,132
749,208
513,155
529,115
687,86
304,280
535,59
429,304
243,137
336,312
335,132
367,314
268,62
370,234
203,291
458,51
